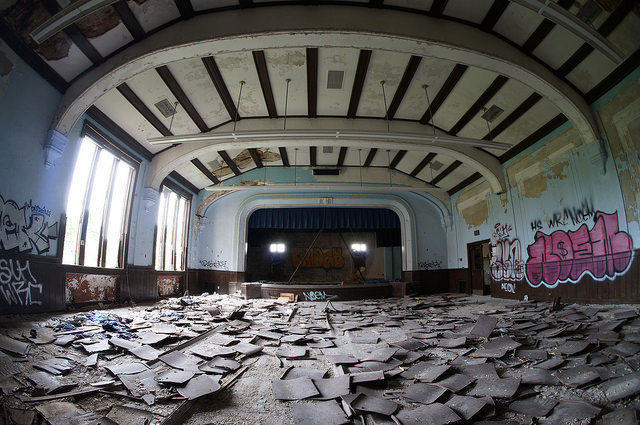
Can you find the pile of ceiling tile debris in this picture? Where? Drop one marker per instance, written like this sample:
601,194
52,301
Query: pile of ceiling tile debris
434,360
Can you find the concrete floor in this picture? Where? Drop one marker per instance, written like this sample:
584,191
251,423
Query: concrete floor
430,321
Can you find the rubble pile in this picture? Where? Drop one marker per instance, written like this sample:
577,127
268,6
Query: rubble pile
433,360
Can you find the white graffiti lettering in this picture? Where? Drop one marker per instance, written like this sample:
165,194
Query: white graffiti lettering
508,264
17,284
318,296
508,287
25,228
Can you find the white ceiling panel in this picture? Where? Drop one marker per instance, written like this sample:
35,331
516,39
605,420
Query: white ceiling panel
472,84
195,176
335,101
557,47
236,67
593,69
387,66
626,36
541,113
150,88
197,85
472,11
456,176
292,64
116,107
112,40
71,65
517,23
432,72
153,13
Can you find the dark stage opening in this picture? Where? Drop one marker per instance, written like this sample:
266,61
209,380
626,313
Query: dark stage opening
324,245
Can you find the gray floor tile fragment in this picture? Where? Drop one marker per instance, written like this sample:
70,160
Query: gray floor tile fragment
423,393
199,386
534,406
578,376
294,389
433,414
371,404
619,388
325,413
566,411
332,387
466,407
498,388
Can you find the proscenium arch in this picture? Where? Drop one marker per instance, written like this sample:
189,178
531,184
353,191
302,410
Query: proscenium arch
395,203
313,26
171,159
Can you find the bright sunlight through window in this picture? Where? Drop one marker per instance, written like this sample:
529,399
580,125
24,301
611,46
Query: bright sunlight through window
277,247
359,247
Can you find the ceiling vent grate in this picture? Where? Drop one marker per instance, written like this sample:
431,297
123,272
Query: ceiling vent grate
334,79
327,149
165,107
214,165
435,165
492,113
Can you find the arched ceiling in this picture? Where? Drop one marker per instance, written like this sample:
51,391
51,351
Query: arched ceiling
206,87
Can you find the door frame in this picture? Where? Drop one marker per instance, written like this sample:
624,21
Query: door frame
469,246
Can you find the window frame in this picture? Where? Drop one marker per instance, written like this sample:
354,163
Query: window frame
180,192
103,142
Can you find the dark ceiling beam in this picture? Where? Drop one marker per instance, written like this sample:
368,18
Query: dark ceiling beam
129,20
450,169
263,75
185,8
530,140
137,103
203,168
342,156
312,82
543,29
245,3
427,159
456,73
74,33
230,162
619,74
34,60
493,15
612,21
370,156
179,94
358,83
376,3
534,137
284,156
464,183
107,123
481,102
397,158
255,155
218,82
184,182
407,77
437,8
527,104
313,153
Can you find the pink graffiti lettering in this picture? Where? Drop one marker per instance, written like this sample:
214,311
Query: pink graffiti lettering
508,264
604,252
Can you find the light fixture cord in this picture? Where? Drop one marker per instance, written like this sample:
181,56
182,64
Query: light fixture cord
433,121
235,120
360,164
389,167
175,108
384,98
286,103
295,167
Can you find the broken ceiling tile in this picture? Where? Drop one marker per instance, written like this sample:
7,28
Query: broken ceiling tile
484,326
332,387
297,372
372,404
291,351
141,383
534,406
40,336
572,347
456,382
622,387
123,415
179,360
146,352
537,376
246,348
126,368
452,342
294,389
358,378
325,413
97,347
497,388
552,363
620,417
484,370
8,367
173,376
577,376
431,372
50,384
199,386
423,393
14,346
341,359
567,411
466,407
55,366
532,354
624,349
433,414
380,355
409,344
150,337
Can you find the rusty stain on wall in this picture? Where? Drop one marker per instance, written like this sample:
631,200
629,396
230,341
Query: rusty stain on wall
168,285
472,204
82,287
98,22
25,16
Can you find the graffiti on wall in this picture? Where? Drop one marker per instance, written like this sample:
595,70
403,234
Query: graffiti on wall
214,264
568,216
603,252
506,254
17,284
318,296
508,287
429,264
25,228
328,259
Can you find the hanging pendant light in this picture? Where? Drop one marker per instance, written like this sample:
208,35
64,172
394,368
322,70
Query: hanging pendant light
235,119
433,121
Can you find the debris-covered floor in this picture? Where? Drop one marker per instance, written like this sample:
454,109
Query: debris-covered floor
223,360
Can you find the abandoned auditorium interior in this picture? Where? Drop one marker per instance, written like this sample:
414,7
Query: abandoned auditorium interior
310,212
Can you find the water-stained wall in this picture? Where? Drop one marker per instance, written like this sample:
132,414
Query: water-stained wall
568,223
